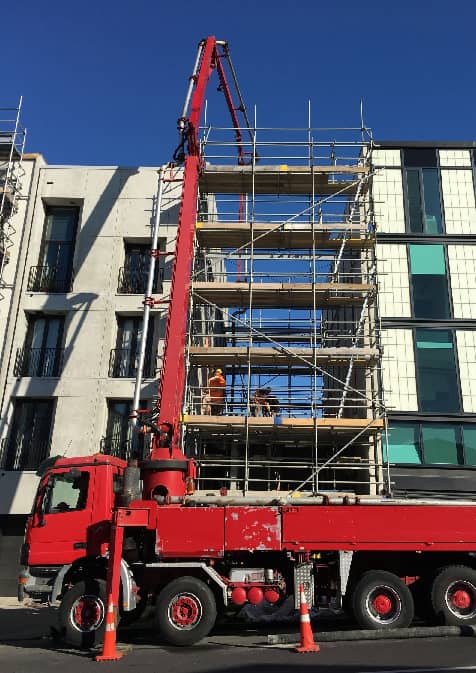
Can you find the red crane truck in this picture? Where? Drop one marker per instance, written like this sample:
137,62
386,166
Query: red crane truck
100,526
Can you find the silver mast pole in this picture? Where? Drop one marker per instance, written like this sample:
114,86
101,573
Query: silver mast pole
148,293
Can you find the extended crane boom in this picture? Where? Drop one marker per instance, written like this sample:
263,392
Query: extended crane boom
168,471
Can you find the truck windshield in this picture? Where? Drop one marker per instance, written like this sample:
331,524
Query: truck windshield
64,494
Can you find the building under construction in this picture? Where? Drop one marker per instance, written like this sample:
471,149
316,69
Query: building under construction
327,267
284,298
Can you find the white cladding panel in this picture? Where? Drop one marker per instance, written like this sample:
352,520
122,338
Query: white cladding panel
458,201
466,344
462,260
387,190
394,292
455,158
386,157
398,370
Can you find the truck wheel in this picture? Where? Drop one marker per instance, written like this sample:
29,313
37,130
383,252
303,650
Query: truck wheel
453,595
185,611
81,613
380,600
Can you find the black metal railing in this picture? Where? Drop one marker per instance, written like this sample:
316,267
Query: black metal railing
38,362
123,364
22,452
134,281
121,445
48,279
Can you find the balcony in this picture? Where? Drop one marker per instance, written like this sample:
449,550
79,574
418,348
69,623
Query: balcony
23,452
121,446
123,364
44,362
48,279
134,281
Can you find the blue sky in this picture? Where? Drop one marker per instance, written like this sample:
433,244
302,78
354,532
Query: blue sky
104,82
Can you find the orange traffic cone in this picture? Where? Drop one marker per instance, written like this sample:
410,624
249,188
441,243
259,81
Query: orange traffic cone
109,652
307,639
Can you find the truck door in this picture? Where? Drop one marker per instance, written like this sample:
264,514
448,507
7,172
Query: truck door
62,516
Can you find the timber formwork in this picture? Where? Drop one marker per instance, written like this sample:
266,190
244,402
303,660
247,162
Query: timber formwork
284,296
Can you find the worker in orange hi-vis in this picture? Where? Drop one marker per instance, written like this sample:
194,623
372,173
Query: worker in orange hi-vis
216,392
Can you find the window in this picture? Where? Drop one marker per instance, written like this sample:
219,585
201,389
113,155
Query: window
118,439
469,434
437,382
404,444
55,266
429,282
432,443
29,439
423,191
134,275
41,354
124,358
440,443
66,493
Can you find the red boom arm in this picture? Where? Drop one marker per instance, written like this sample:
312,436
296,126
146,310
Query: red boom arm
171,476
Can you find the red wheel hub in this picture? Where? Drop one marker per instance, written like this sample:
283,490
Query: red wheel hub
87,613
185,611
461,599
382,604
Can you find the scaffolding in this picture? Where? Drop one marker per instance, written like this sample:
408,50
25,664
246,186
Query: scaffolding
12,143
284,296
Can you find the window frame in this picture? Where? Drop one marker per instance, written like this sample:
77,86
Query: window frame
54,478
451,331
9,457
447,276
49,210
436,167
418,425
125,429
48,318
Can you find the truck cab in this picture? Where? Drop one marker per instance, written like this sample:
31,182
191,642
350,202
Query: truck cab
70,521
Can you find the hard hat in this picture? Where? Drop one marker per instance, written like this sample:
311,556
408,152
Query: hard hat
218,371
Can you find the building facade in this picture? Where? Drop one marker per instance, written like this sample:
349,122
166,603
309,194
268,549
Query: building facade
424,197
71,324
71,321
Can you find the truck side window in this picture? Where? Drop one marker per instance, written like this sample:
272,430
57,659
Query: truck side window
66,495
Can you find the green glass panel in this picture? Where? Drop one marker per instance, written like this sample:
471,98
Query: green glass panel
427,259
429,282
433,344
469,438
437,381
403,444
440,443
430,297
432,202
414,201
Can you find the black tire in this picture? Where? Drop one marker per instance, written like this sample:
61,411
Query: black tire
453,595
185,611
380,600
82,612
